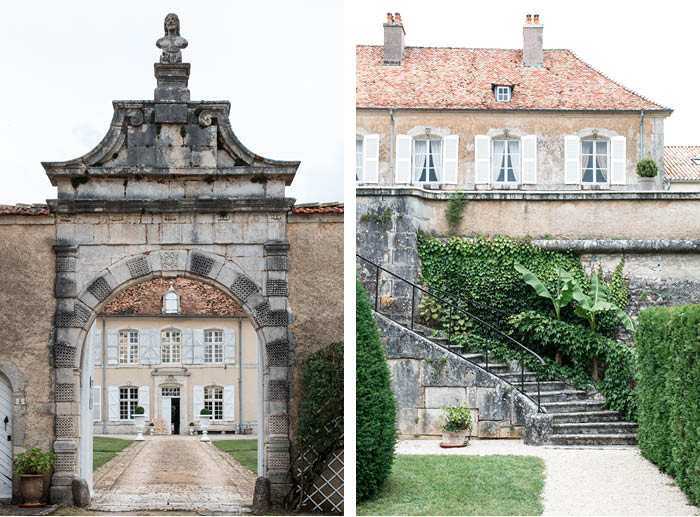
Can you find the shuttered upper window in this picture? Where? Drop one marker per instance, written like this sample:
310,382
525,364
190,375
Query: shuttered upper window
505,161
128,347
213,346
594,161
170,341
427,160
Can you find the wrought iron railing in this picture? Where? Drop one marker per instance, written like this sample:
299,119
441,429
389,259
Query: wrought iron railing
487,331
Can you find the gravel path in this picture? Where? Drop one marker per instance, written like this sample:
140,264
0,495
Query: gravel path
585,481
175,473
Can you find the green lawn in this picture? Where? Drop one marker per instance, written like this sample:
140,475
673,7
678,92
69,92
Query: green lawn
104,449
460,485
244,451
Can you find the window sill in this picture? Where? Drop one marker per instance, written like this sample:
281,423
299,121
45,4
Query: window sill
601,186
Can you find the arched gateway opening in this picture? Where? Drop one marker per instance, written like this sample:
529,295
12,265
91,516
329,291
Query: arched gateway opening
170,192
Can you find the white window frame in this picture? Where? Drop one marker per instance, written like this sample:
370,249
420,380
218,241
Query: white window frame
128,342
169,346
518,177
213,348
171,296
214,403
359,160
131,400
439,157
503,93
607,161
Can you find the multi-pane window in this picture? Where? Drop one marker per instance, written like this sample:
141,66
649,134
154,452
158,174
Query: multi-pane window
506,161
427,161
594,161
213,346
503,93
359,156
128,347
214,401
170,341
128,400
170,392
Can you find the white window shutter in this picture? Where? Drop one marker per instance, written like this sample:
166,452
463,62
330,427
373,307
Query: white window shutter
529,168
572,160
482,159
618,165
145,347
96,403
229,346
229,399
97,347
403,159
113,402
187,347
145,400
450,159
197,401
155,346
198,346
112,347
370,159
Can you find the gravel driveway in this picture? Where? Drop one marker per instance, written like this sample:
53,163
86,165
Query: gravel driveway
591,481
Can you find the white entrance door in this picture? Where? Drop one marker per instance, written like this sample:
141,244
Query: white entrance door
165,413
5,439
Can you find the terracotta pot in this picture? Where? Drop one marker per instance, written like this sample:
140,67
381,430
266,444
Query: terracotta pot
454,438
32,486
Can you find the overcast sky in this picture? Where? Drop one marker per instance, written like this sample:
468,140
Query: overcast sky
278,62
650,48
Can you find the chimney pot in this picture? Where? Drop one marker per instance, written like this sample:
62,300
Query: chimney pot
393,40
537,19
528,18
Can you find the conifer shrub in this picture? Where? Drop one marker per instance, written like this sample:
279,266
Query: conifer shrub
668,345
376,406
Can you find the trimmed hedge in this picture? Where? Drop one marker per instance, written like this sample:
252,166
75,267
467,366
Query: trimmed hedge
376,406
668,387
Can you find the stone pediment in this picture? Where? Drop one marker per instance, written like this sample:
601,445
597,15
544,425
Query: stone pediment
170,148
152,138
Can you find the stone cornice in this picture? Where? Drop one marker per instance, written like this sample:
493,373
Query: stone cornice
78,206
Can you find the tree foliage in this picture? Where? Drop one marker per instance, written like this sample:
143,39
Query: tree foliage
376,406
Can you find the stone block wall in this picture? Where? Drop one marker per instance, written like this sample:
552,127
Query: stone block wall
426,377
27,305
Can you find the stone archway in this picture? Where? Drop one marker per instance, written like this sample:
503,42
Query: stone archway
271,326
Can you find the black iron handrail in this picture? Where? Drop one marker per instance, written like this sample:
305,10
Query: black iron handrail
452,307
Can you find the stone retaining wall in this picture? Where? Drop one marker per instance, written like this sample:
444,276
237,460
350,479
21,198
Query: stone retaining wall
426,377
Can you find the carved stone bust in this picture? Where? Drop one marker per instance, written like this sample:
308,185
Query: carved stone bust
171,43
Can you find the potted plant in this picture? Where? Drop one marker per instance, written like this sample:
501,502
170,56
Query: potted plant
151,428
191,428
139,422
647,172
31,467
204,423
458,424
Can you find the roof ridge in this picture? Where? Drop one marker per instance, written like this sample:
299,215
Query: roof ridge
630,90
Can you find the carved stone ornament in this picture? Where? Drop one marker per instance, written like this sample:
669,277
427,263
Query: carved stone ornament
171,43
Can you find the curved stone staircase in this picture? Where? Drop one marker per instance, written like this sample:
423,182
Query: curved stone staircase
579,417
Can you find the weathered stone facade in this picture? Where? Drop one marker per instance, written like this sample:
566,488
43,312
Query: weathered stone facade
425,377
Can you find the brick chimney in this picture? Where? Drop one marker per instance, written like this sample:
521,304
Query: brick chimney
393,40
532,41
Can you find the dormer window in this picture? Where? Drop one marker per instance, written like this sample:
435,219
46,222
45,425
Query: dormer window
696,161
503,93
171,301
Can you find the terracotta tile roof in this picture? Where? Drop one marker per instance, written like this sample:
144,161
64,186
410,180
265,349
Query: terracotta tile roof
196,298
20,209
463,78
319,208
678,164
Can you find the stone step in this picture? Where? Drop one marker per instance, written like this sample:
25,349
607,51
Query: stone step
475,358
531,386
574,406
586,416
515,377
593,439
594,428
496,369
562,395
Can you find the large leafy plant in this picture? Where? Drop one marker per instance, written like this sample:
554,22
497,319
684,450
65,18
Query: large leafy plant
563,288
33,461
595,302
457,418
